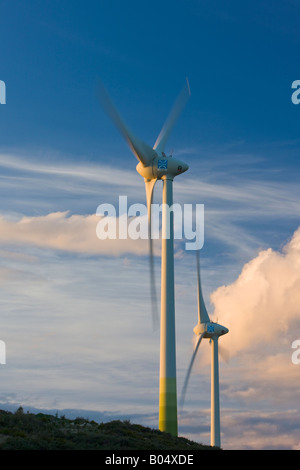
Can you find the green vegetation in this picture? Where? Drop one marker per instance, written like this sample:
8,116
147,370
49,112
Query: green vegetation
27,431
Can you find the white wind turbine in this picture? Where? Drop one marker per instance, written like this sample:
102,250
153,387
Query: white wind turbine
153,165
207,329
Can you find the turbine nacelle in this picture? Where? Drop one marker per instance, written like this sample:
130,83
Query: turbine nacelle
210,330
162,166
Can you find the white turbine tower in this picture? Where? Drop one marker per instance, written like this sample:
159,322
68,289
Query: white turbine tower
207,329
153,165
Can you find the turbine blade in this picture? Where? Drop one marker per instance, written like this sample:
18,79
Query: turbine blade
149,186
202,312
188,374
178,106
143,152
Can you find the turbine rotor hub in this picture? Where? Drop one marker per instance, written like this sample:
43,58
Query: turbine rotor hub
210,330
162,167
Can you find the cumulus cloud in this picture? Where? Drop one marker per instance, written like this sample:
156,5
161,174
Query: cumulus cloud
261,308
263,304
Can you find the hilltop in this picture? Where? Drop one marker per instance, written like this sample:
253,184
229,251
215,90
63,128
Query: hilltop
28,431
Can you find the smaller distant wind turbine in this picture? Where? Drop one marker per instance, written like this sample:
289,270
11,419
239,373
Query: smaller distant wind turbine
207,329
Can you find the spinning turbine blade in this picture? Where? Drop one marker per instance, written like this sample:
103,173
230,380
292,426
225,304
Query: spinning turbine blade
149,186
172,118
202,312
187,378
143,152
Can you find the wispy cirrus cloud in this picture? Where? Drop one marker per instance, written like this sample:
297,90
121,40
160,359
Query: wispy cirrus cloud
235,204
70,233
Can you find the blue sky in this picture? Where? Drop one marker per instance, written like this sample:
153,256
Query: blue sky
74,315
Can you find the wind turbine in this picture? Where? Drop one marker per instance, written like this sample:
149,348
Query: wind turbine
155,165
207,329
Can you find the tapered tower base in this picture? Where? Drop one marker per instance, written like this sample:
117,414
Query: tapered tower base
168,406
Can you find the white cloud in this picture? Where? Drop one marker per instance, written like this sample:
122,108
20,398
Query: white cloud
70,233
263,304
